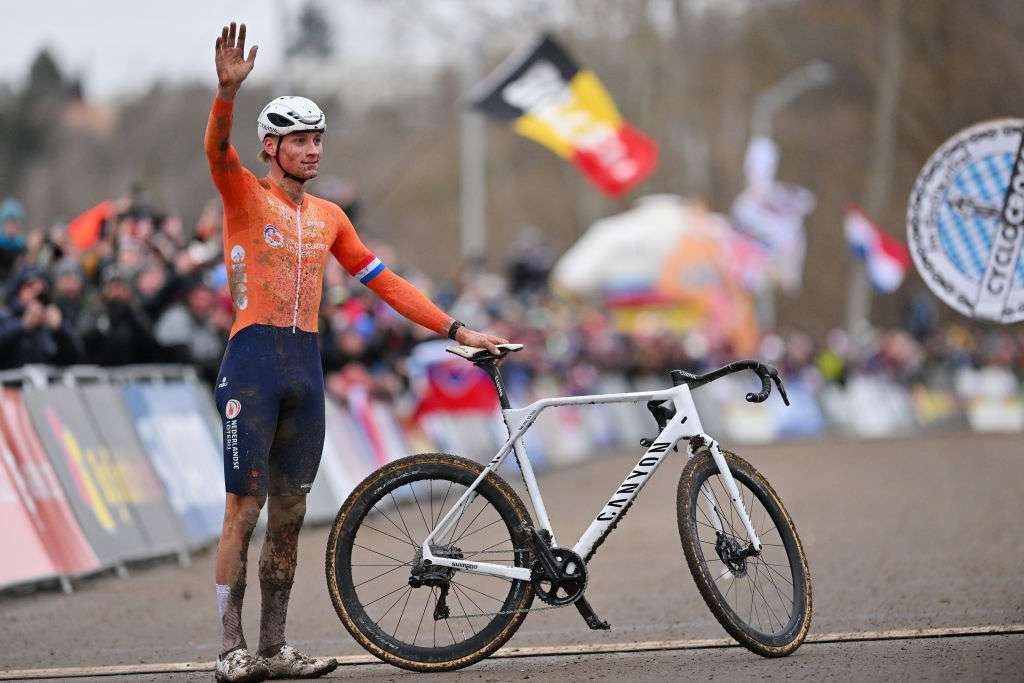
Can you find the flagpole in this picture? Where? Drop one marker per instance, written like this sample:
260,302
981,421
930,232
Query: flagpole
769,102
472,161
858,300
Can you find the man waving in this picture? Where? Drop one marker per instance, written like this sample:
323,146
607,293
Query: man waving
270,391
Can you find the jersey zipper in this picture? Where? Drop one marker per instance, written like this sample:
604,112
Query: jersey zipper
298,271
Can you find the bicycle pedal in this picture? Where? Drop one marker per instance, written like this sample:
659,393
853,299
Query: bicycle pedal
587,612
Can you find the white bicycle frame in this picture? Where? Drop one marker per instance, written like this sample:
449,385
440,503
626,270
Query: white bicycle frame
685,424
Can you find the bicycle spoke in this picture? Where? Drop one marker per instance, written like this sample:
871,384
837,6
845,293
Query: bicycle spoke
419,508
426,604
434,621
400,529
467,596
467,554
377,577
465,612
486,526
440,508
458,521
384,533
469,526
400,515
769,612
778,591
365,605
779,574
375,552
470,588
406,605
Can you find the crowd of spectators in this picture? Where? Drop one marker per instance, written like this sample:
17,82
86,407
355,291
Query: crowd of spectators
150,290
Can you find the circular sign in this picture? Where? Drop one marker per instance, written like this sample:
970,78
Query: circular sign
965,221
232,409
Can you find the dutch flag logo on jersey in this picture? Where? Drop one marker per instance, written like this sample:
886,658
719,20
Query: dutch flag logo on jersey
368,269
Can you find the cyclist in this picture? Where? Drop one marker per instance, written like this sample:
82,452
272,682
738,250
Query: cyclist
270,390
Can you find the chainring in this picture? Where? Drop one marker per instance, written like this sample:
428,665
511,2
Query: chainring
567,586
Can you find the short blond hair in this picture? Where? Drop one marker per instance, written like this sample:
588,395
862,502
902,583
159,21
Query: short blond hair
264,157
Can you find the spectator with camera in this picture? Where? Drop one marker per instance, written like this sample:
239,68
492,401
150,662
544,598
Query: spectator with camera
32,328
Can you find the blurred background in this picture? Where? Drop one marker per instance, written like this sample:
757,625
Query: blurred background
771,120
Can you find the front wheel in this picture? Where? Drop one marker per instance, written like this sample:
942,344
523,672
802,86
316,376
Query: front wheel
763,600
417,616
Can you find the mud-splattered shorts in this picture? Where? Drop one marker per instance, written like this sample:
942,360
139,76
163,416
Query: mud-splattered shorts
270,394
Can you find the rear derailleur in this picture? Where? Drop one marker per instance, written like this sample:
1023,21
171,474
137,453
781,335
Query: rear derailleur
435,576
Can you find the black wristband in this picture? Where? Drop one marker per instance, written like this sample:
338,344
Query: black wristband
453,329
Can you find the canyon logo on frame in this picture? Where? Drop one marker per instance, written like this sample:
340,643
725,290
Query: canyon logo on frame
548,98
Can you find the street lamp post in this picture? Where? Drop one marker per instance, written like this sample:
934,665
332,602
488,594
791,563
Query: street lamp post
769,102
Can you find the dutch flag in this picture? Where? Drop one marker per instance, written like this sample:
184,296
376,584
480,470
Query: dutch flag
886,258
368,268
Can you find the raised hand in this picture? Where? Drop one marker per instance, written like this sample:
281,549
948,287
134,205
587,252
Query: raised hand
232,64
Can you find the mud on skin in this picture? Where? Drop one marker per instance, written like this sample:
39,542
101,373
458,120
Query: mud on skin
233,637
277,569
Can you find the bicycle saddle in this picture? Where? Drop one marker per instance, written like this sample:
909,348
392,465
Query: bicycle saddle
475,353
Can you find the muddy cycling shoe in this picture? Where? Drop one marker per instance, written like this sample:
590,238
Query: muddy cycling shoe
241,666
290,663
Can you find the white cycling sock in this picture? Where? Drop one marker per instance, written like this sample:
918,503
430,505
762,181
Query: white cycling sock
222,599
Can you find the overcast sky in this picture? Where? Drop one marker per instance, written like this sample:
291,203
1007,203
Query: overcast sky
120,46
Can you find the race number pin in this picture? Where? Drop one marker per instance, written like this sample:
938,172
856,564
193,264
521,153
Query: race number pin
965,221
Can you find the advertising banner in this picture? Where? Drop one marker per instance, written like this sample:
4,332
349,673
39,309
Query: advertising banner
110,417
347,465
88,473
55,520
550,99
355,448
183,453
26,558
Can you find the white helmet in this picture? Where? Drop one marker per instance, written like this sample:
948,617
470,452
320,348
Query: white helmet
289,114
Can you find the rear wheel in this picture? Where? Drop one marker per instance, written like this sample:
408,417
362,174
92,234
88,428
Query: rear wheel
763,600
428,618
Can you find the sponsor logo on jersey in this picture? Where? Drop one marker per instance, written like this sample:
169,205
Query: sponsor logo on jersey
223,382
965,221
273,237
232,409
238,279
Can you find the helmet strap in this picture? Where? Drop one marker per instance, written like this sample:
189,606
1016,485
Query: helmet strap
277,158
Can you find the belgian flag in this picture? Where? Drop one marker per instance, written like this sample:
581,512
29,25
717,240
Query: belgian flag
548,98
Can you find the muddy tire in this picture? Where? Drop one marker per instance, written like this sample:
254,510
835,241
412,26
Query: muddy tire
763,601
372,549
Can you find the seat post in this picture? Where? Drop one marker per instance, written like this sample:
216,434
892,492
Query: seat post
492,371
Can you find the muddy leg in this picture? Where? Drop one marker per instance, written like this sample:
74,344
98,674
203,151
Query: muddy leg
277,568
240,516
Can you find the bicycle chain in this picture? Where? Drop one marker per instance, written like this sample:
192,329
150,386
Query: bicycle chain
505,612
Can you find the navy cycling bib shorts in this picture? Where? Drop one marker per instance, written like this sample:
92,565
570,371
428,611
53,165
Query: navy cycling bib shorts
270,394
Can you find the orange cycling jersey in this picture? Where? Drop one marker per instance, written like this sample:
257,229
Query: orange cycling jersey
275,250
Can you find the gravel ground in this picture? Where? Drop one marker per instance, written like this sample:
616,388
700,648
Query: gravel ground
910,533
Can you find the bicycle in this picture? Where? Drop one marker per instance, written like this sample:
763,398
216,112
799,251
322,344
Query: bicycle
461,545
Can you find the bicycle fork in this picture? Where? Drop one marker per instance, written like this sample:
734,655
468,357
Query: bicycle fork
704,441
